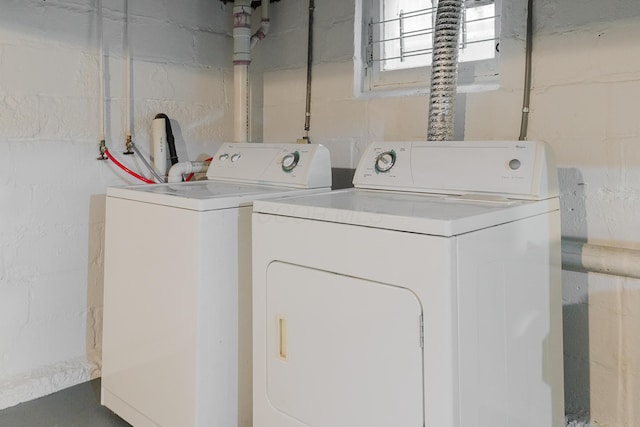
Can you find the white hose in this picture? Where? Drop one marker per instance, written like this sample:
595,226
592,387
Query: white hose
183,168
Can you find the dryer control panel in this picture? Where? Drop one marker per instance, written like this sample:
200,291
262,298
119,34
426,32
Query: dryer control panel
293,165
510,169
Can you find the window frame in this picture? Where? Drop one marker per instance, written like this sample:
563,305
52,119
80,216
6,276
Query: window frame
473,76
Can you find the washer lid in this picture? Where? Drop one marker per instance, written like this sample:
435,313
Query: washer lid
203,195
439,215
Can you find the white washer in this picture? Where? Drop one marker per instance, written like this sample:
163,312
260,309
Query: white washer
429,295
177,286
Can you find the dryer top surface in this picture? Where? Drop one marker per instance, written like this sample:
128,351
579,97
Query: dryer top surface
439,215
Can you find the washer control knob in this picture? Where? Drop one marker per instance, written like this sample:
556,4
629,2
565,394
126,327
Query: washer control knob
385,161
223,157
235,157
515,164
290,161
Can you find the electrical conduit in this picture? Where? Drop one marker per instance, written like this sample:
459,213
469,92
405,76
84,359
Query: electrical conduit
444,70
307,114
526,98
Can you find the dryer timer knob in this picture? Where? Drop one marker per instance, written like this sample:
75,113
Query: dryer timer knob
385,161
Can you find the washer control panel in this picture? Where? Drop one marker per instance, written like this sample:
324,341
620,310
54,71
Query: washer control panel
511,169
297,165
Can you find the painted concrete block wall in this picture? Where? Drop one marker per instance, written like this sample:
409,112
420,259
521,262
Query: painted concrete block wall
51,185
585,103
597,140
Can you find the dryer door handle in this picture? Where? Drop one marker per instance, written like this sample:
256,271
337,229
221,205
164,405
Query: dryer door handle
282,337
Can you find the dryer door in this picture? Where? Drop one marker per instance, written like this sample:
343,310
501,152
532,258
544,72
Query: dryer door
344,351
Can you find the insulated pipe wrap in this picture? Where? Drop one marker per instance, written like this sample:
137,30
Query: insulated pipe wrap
582,256
444,70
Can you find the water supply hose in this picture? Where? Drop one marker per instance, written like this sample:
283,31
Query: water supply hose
147,165
126,169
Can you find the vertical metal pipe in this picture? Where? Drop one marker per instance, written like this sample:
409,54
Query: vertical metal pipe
526,98
444,70
307,114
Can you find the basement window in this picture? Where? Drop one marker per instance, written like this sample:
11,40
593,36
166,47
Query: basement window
396,42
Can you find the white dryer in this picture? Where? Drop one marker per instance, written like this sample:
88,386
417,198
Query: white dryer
177,286
429,295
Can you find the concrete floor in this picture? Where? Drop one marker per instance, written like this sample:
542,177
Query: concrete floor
77,406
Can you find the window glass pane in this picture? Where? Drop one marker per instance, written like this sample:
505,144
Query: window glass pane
479,33
406,36
407,33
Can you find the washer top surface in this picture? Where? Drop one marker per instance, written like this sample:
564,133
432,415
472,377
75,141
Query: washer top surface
202,195
241,173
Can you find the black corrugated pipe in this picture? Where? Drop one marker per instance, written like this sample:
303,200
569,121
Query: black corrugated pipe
171,142
526,99
444,70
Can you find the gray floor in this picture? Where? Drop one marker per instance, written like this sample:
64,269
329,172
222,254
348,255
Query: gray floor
78,406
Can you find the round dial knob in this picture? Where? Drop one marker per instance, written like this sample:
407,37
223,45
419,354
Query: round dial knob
235,157
385,161
289,161
223,157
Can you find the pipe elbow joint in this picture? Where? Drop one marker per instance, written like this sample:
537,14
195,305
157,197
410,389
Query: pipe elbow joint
177,170
261,33
182,168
